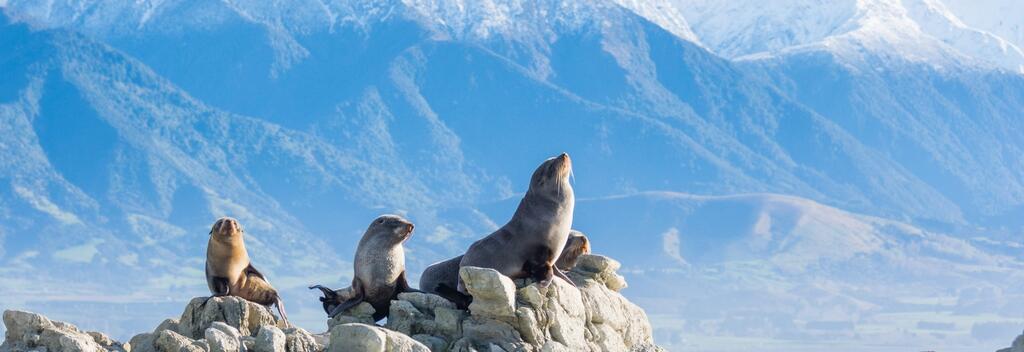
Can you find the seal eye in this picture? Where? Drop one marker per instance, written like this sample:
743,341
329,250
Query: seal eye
380,221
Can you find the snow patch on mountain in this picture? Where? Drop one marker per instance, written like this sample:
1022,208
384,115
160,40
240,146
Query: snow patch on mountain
664,14
1004,18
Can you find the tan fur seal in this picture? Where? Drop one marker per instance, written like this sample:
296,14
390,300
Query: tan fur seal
229,271
447,272
529,244
379,269
577,245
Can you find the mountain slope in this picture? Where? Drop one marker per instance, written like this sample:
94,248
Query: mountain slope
760,271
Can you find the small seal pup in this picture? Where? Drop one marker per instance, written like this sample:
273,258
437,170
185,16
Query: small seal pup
447,272
379,269
229,271
529,244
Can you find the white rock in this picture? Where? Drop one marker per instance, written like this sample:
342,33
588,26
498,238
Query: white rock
168,340
30,331
357,337
220,341
239,313
270,339
298,340
493,294
362,313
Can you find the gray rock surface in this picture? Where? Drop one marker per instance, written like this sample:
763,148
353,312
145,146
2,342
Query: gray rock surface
1016,346
356,337
220,341
520,316
362,313
246,316
170,341
228,324
32,332
506,315
270,339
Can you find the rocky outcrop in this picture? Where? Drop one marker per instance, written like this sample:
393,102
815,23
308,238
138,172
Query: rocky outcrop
1016,346
228,324
33,332
520,316
505,315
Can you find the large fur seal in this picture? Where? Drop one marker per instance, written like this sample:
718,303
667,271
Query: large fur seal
379,269
229,271
529,244
447,272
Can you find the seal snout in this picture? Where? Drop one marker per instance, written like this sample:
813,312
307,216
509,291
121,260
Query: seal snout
226,226
404,229
565,164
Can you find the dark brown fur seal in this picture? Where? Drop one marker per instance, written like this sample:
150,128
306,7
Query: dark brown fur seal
229,271
447,272
529,244
379,269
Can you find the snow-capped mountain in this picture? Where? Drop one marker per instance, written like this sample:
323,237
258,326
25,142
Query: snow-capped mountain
925,31
846,174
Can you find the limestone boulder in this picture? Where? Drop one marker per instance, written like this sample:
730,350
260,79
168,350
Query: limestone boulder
356,337
202,312
28,331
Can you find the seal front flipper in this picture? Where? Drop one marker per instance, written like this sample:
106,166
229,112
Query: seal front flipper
402,285
221,286
561,274
251,270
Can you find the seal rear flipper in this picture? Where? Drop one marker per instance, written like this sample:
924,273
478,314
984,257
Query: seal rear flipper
460,299
330,298
280,310
352,302
357,298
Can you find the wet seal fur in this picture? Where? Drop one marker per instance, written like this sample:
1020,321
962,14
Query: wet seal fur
379,269
528,245
229,271
447,272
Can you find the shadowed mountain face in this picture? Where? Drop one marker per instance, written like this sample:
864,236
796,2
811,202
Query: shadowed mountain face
128,130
